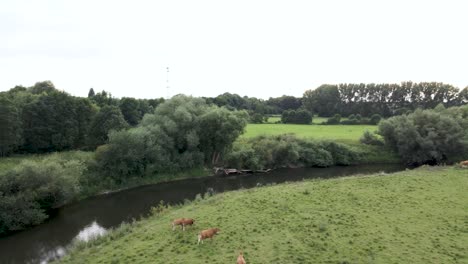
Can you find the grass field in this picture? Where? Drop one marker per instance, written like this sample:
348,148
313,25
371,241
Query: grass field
342,133
418,216
315,120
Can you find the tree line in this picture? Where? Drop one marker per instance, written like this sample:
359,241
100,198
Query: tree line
383,99
42,118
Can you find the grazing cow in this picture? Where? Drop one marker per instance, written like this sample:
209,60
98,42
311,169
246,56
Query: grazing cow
182,222
464,163
208,233
240,259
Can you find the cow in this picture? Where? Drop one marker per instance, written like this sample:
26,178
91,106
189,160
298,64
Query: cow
464,163
208,233
182,222
240,259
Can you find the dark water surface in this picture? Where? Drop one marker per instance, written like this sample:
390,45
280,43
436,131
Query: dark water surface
94,215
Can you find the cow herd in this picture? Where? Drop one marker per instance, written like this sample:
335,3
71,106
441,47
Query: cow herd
204,234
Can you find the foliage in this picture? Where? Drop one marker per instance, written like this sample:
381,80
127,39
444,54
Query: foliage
324,100
10,132
300,116
383,99
426,136
334,120
30,190
289,151
107,119
375,119
257,118
369,138
183,133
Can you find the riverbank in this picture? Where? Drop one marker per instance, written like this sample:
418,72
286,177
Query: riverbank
413,216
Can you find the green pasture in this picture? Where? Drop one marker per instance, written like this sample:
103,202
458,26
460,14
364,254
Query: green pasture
415,216
342,133
315,119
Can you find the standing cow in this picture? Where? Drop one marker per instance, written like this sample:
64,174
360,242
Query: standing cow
208,233
182,222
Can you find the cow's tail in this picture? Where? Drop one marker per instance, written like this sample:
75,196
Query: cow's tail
199,238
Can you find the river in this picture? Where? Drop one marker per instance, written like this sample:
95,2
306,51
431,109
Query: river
93,216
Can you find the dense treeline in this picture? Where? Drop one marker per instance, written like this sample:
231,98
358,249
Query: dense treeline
383,99
42,118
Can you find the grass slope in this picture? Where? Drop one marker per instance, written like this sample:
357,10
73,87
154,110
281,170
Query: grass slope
418,216
342,133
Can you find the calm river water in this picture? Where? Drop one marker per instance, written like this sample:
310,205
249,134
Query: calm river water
93,216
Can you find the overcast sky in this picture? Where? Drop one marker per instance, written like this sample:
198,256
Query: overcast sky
255,48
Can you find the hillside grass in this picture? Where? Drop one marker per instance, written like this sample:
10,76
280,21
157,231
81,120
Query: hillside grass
417,216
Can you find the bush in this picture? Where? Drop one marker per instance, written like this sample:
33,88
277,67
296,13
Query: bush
257,118
29,191
375,119
369,138
334,120
426,137
289,151
300,116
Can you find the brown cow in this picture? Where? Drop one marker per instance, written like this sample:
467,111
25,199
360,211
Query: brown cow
208,233
240,259
464,163
182,222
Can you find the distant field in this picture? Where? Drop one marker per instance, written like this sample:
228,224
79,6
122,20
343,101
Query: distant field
415,216
344,133
315,119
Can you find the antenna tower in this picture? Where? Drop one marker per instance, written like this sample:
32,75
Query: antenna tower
167,83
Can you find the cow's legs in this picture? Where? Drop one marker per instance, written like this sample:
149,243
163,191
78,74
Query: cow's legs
183,227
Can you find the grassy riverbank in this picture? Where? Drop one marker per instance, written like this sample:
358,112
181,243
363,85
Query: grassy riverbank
416,216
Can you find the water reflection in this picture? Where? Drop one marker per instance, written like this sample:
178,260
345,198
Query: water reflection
91,231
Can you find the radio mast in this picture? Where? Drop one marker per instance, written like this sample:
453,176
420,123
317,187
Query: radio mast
167,83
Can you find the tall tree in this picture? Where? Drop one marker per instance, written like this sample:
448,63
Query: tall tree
10,127
325,100
130,110
91,93
108,118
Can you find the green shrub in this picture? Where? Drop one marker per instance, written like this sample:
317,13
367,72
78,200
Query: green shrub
375,119
426,136
300,116
289,151
369,138
257,118
334,120
30,190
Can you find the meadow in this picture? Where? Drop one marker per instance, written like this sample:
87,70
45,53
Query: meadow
315,120
342,133
415,216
